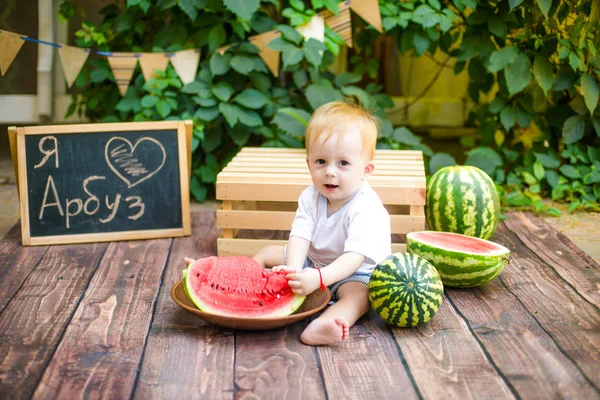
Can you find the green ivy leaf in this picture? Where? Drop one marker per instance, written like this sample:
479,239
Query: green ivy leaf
518,74
194,87
596,123
163,108
249,117
514,3
240,134
222,91
592,177
552,178
590,89
485,159
544,6
313,51
538,170
549,160
230,112
207,113
355,91
320,93
242,64
251,98
290,34
219,64
198,189
300,78
149,101
292,120
497,27
405,136
569,171
420,41
543,72
216,37
507,118
189,8
500,59
573,129
528,178
497,104
244,9
440,160
593,154
291,55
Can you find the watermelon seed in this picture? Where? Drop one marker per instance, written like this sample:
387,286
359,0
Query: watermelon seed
217,286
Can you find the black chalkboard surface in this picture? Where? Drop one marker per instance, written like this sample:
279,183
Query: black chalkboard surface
103,182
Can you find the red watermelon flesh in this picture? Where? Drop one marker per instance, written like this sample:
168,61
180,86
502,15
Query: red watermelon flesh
239,286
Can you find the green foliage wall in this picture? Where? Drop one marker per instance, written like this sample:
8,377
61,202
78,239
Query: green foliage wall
536,60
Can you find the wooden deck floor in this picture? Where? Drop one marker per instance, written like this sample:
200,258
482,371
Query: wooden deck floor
97,321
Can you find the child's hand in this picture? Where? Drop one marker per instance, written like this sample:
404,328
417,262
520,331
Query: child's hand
284,268
304,282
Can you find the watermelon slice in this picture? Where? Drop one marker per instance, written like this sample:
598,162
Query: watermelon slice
239,286
461,261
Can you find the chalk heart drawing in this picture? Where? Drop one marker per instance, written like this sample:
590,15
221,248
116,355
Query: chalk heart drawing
134,163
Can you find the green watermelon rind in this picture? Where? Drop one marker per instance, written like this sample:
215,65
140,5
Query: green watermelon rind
458,268
462,199
400,307
281,312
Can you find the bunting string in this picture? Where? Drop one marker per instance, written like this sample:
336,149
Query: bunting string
185,62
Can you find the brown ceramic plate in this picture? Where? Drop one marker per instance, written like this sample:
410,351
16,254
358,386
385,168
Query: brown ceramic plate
314,303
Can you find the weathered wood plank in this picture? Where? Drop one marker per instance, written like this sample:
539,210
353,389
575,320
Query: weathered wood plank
568,318
186,357
556,250
524,354
102,347
276,365
16,262
34,320
446,361
368,365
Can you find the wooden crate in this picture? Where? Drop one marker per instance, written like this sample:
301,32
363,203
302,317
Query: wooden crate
259,189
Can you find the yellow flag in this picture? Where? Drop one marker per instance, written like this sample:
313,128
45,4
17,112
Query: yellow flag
10,44
150,62
268,55
122,65
72,60
186,63
369,11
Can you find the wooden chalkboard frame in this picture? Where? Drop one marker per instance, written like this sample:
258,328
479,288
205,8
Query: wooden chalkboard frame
19,157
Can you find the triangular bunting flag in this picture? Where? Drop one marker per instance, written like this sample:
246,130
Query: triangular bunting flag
314,29
268,55
369,11
340,23
10,44
221,50
122,65
72,60
186,63
149,62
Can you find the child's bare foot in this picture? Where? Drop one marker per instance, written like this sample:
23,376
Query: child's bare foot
325,331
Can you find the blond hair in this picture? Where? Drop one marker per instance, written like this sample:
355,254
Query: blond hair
337,117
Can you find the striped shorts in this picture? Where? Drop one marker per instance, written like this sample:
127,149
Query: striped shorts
333,288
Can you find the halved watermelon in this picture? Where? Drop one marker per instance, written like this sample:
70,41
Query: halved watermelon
462,261
239,286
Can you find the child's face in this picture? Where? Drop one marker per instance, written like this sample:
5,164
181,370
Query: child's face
339,166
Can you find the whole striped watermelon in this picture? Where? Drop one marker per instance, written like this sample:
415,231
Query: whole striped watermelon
462,199
462,261
405,290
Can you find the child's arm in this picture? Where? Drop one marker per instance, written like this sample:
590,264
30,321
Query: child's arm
297,249
308,280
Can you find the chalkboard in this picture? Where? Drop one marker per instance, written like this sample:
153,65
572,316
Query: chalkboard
103,182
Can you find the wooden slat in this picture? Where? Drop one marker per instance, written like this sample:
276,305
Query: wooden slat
368,365
102,347
446,361
16,262
290,161
291,191
553,302
578,269
526,356
270,150
273,178
282,220
398,172
249,247
282,368
185,356
34,320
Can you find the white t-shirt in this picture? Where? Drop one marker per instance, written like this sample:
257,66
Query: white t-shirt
362,226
